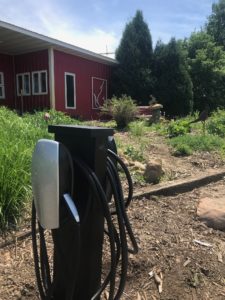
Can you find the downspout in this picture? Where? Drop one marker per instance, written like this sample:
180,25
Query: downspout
51,77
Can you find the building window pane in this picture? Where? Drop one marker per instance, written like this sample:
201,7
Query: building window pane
2,86
70,90
39,82
23,84
35,83
43,82
26,83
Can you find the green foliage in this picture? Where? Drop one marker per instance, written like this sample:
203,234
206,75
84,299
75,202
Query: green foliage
15,154
198,143
18,137
123,110
179,127
133,76
216,123
173,87
137,128
207,70
134,154
182,150
216,26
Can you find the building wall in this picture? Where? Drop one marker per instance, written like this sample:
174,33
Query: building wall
27,63
6,67
92,82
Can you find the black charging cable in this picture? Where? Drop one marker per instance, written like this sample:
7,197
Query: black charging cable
117,233
99,194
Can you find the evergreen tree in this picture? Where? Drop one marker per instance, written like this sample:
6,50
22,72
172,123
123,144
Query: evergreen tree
133,75
216,23
174,87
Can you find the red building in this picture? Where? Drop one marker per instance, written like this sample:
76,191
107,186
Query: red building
38,72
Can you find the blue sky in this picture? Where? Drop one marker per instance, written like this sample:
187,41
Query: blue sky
98,25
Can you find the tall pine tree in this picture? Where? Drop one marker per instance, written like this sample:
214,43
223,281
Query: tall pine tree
133,76
174,86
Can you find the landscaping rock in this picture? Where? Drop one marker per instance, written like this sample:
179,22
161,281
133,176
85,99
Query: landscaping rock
211,211
153,171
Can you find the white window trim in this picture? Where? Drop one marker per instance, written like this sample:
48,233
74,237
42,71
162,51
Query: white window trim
17,83
75,90
92,90
39,82
2,85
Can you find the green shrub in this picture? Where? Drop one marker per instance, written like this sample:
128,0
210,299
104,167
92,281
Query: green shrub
123,110
179,127
216,123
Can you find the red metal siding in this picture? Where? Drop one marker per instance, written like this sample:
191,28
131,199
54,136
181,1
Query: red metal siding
6,66
84,70
27,63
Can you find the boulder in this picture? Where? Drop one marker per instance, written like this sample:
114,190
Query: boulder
153,171
211,211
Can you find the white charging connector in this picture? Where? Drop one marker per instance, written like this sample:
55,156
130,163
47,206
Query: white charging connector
72,207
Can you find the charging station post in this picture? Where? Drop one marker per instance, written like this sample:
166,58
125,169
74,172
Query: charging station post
83,274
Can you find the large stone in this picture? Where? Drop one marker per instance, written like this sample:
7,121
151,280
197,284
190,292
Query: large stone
153,171
211,211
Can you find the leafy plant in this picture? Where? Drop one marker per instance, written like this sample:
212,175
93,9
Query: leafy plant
179,127
134,154
216,124
123,110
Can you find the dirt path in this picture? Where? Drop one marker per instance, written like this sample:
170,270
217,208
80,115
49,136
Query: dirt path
166,228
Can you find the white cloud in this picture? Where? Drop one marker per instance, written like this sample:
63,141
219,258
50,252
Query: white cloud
47,18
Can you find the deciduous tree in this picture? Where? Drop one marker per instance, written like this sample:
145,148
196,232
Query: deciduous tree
216,23
207,70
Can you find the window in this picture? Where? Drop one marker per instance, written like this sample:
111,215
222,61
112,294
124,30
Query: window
23,84
70,90
2,86
39,83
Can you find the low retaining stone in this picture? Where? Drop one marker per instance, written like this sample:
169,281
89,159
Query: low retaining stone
182,186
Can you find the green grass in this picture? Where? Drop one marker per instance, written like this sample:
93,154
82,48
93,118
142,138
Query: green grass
187,144
18,136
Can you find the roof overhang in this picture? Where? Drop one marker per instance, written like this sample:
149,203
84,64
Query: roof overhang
15,40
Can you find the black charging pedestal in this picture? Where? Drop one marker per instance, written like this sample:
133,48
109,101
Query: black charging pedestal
77,268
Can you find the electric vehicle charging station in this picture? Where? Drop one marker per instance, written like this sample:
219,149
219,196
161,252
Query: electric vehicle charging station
70,177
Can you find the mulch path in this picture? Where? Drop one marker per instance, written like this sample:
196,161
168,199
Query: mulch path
188,256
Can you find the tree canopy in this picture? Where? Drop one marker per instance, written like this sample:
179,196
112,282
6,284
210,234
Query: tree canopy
182,75
207,70
216,23
173,87
133,76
